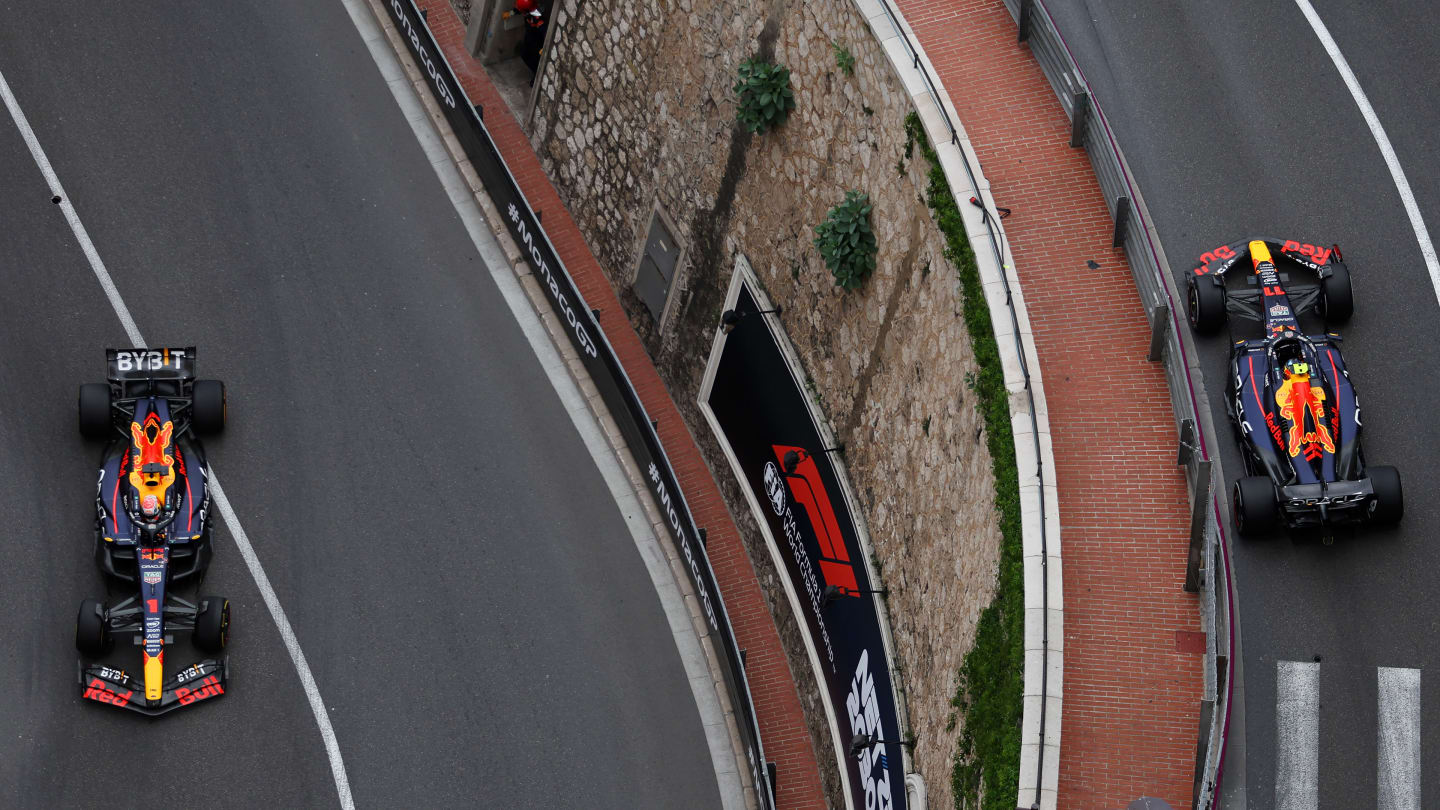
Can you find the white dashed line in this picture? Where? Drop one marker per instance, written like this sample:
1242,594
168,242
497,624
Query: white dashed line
1397,777
1297,732
1427,249
252,562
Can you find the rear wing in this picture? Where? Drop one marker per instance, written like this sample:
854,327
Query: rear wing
150,364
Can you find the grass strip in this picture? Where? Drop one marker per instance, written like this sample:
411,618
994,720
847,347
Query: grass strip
988,698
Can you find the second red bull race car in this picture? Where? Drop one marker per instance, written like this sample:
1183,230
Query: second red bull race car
1290,399
152,530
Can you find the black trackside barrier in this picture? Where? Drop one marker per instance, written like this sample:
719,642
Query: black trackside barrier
600,361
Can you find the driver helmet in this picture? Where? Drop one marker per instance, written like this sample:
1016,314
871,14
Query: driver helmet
150,506
1296,368
526,6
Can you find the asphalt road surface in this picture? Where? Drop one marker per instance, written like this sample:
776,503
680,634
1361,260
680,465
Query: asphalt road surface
474,610
1237,123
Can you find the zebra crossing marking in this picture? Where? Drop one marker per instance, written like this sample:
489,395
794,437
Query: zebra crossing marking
1297,726
1398,741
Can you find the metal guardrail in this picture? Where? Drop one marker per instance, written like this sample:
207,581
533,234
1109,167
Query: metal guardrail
1163,307
599,358
995,240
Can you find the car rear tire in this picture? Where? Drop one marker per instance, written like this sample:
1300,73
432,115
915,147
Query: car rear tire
1336,299
95,419
212,624
1205,302
92,637
208,407
1256,510
1389,497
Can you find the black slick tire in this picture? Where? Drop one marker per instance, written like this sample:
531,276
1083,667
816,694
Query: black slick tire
92,637
1256,511
1389,497
208,407
1336,298
212,624
95,419
1205,304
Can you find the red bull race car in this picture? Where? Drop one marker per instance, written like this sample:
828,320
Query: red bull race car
152,531
1290,399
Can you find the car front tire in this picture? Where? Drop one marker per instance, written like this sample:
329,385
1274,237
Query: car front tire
212,624
92,637
1336,297
1205,303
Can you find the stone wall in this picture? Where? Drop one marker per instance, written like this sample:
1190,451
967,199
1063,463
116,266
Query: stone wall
635,112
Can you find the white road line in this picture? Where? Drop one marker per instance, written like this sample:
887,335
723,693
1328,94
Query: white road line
252,562
1398,774
1297,735
69,210
1427,249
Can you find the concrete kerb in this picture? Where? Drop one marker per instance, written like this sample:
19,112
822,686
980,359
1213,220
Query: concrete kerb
735,791
1042,660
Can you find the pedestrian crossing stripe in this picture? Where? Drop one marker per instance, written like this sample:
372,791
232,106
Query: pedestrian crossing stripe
1297,726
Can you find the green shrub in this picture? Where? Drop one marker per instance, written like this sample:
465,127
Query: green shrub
846,242
990,685
765,96
843,59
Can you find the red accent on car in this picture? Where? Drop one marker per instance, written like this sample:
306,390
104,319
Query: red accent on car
100,691
115,497
210,687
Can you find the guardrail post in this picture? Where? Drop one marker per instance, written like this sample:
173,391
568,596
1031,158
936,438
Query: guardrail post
1027,10
1079,117
1198,512
1202,749
1188,444
1159,327
1122,220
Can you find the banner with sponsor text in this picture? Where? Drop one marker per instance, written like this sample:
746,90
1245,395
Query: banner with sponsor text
760,411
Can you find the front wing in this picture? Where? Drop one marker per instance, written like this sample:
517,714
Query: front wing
115,687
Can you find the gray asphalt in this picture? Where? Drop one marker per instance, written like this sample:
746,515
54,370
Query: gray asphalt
1236,123
471,603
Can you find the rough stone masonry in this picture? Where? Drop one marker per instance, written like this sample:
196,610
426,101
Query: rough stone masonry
636,113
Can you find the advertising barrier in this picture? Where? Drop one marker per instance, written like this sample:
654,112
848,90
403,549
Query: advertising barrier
760,414
600,362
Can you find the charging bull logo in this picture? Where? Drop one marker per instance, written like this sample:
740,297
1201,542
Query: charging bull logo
1304,406
153,469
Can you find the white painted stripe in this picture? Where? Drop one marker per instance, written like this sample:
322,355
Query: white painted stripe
1398,774
71,217
1297,735
1427,249
287,634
